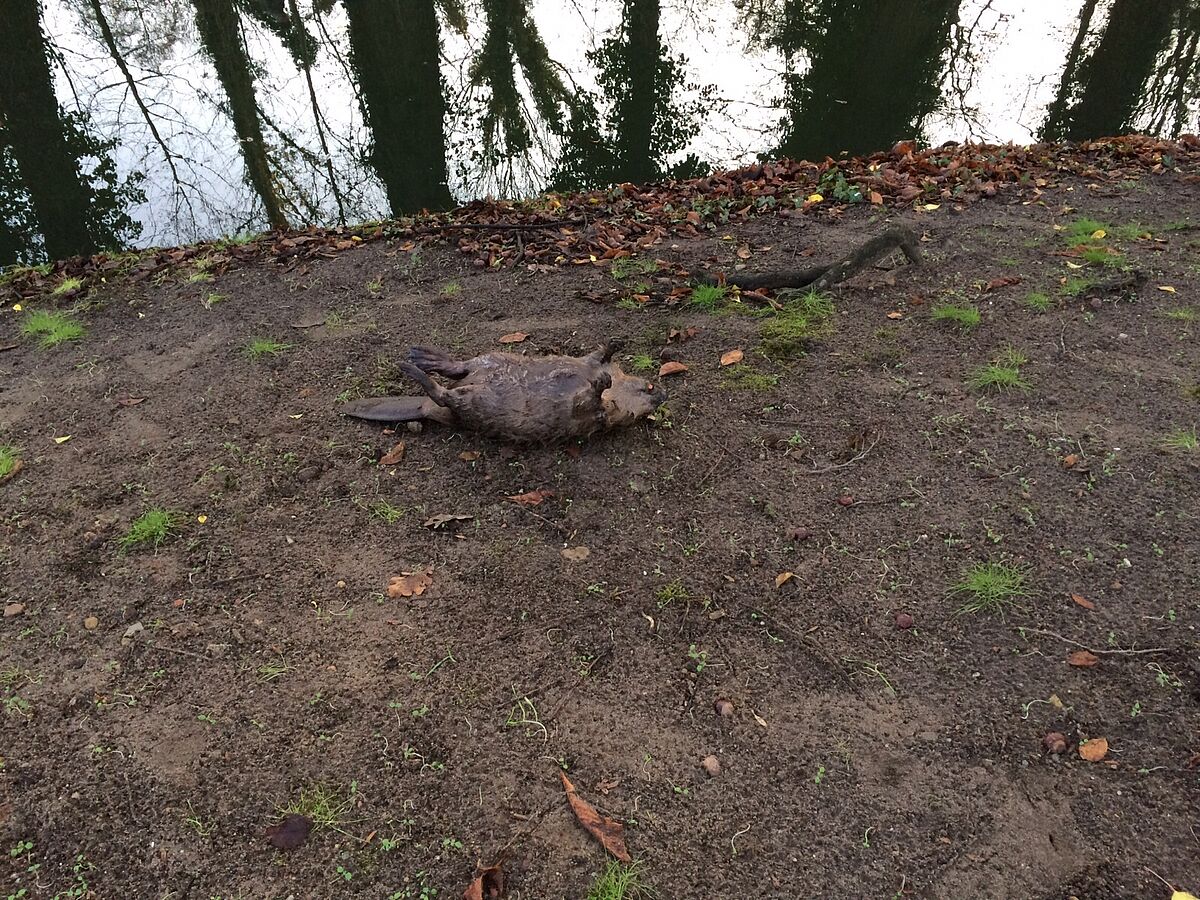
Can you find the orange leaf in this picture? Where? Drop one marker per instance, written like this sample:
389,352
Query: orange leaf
531,498
469,455
876,198
1094,750
1083,659
1071,460
895,315
1083,601
488,884
671,368
783,578
515,338
743,252
607,831
409,584
393,456
729,357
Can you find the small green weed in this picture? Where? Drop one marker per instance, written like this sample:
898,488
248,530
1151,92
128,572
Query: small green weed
1099,255
386,512
199,277
1182,314
991,588
66,286
450,289
1038,301
629,266
9,457
671,592
152,528
708,297
212,298
801,320
51,328
1184,439
642,362
260,347
1002,374
1074,286
744,378
620,882
963,315
326,806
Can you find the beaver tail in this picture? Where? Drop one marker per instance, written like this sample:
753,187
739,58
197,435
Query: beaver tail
388,409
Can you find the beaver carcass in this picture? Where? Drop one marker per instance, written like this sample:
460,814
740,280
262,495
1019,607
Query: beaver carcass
518,398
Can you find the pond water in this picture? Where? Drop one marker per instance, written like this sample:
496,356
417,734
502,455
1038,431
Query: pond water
189,119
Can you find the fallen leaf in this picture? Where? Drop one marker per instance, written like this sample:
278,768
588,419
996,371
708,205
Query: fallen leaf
743,252
895,315
760,720
1004,281
671,368
1070,460
681,335
469,455
290,833
530,498
1083,659
515,338
783,578
1183,895
876,198
1055,701
442,518
1071,265
130,401
930,207
815,198
409,584
1094,750
604,785
1167,288
608,832
202,518
575,554
393,456
1099,234
730,357
1080,600
63,439
488,884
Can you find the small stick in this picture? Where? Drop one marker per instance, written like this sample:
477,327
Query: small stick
1067,640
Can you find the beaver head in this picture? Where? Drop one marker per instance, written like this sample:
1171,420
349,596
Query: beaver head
629,398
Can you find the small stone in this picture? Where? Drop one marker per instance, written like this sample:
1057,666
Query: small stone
341,585
711,765
13,609
91,623
723,707
797,533
845,500
308,473
92,541
217,650
289,540
904,621
1096,303
1055,743
133,631
414,427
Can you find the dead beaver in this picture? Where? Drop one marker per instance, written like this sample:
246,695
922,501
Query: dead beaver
518,398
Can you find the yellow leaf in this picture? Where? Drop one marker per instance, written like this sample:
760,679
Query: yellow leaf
1183,895
17,307
63,439
815,198
930,207
300,416
783,578
355,237
202,518
1167,288
1099,234
1071,265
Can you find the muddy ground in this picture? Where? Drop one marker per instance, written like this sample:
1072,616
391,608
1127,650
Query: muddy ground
163,707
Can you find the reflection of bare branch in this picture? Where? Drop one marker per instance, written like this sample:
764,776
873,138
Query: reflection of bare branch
306,66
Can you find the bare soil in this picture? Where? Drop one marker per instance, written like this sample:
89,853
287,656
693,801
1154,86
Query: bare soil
254,661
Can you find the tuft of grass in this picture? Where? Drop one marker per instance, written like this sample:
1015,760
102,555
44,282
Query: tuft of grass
1184,439
66,286
450,289
800,321
1083,229
671,592
627,266
620,882
1038,301
386,512
199,277
152,528
1002,374
964,315
1098,255
708,296
1182,313
642,362
326,806
9,457
744,378
991,588
51,328
212,298
1074,286
260,347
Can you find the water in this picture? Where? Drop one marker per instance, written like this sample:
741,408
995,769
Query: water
422,104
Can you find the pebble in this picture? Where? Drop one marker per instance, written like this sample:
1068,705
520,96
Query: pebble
723,707
13,609
341,585
904,621
1055,742
711,765
414,427
91,623
797,533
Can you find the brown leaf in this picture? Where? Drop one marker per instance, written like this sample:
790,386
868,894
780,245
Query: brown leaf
783,578
575,554
607,831
442,518
730,357
409,584
290,833
671,368
1080,600
1094,750
681,335
1083,659
531,498
743,252
515,338
876,198
393,456
1001,282
129,401
469,455
895,314
488,884
1071,460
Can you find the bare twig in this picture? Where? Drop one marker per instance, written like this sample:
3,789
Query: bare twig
1074,643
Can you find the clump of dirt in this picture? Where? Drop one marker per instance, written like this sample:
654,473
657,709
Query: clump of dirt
812,631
